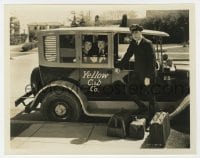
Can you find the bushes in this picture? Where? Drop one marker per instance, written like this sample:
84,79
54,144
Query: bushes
29,46
175,23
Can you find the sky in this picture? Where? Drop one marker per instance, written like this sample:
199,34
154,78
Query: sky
62,13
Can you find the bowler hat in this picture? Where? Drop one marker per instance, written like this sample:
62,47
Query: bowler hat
88,38
135,27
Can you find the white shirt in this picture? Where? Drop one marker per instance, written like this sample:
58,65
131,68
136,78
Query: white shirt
138,42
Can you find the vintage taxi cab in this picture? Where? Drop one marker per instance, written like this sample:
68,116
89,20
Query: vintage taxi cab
73,77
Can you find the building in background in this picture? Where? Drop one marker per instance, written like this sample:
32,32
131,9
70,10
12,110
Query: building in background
43,26
160,13
37,26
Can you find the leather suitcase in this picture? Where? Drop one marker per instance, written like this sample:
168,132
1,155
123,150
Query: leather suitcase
137,128
118,124
159,128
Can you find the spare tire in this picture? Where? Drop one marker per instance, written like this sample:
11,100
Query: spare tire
36,83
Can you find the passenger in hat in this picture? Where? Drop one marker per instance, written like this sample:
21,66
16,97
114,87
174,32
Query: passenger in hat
87,45
87,48
102,50
144,67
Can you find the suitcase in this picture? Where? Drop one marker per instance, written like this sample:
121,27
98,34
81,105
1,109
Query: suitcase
159,129
137,128
118,124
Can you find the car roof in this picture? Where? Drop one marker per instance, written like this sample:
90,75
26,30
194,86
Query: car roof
108,29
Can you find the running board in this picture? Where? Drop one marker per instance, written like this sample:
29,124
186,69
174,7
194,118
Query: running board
108,108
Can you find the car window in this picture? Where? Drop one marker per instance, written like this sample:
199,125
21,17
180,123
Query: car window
94,49
121,44
67,49
124,38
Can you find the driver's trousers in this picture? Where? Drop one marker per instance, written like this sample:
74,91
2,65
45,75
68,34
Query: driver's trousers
138,92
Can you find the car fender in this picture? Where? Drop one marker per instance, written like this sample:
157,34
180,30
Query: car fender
64,85
182,106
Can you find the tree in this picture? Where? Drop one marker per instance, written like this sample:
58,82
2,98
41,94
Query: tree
124,21
175,23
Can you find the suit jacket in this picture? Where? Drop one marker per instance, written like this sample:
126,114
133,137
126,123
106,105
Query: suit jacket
145,59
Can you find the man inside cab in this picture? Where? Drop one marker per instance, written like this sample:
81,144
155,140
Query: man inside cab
144,67
102,49
87,49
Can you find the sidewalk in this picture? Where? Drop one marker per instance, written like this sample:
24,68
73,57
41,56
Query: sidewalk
41,137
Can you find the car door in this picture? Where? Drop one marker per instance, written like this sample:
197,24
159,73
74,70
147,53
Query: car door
95,69
121,79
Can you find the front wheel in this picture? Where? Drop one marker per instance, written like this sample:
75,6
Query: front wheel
61,106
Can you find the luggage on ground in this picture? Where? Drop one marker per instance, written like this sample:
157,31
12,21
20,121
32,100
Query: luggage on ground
159,128
137,128
119,123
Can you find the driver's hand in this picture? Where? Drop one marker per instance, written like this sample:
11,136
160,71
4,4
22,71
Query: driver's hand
94,59
101,59
146,81
117,70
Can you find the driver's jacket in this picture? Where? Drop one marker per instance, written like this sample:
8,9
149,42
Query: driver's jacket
145,60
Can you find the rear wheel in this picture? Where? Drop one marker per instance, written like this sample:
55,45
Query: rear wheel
61,106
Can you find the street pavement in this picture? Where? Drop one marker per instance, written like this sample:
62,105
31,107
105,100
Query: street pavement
82,138
21,67
30,134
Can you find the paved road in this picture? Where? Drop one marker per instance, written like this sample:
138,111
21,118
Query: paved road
20,70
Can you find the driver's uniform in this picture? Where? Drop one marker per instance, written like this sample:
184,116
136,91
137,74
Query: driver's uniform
144,66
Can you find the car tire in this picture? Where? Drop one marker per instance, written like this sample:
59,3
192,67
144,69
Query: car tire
61,106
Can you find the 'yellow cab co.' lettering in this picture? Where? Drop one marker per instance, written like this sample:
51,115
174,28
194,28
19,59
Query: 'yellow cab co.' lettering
95,74
94,79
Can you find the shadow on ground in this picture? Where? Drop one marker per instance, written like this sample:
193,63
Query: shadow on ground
92,128
37,116
17,128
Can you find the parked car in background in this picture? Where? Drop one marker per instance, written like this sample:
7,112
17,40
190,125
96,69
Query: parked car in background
29,46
